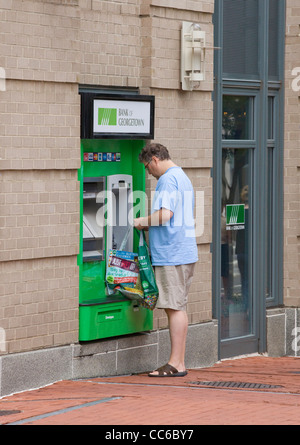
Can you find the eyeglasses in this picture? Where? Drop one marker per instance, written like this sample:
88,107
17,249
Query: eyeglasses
146,165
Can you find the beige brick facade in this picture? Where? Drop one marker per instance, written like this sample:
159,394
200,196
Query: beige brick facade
292,157
39,302
41,214
40,126
47,49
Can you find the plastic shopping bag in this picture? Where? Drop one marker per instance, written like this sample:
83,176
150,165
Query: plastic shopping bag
147,276
122,272
122,268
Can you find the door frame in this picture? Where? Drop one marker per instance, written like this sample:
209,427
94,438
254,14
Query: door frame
260,88
249,343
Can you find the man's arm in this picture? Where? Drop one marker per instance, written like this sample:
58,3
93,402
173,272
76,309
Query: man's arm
155,219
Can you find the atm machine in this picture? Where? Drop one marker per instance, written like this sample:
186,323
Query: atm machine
114,129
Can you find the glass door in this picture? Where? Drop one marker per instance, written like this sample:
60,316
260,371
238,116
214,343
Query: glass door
247,170
236,249
237,302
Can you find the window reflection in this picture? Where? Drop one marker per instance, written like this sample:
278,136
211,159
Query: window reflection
240,37
237,117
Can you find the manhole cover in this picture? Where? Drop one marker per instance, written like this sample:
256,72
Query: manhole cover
4,412
236,385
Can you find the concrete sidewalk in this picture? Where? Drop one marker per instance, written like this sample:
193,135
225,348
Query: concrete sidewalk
255,390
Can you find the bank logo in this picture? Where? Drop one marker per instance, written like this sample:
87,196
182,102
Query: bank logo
107,116
235,214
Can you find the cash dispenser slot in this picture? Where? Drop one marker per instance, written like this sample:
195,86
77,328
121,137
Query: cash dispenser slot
93,219
120,212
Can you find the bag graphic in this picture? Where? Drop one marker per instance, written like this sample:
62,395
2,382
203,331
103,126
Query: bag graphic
122,272
147,276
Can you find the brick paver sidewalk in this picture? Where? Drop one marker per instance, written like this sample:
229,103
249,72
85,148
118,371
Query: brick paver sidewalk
255,390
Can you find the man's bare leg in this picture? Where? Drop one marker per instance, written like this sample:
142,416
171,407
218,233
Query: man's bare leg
178,326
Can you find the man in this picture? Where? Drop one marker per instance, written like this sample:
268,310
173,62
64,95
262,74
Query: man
173,248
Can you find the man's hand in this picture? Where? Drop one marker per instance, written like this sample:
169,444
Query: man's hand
157,218
141,223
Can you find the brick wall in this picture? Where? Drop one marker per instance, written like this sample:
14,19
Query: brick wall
39,40
48,48
39,214
110,43
40,154
38,302
292,157
39,206
40,126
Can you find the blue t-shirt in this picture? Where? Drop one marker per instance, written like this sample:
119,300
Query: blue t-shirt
174,243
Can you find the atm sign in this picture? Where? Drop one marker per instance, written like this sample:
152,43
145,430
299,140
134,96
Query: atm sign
121,117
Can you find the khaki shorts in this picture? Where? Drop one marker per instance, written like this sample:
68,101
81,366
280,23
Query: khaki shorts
173,284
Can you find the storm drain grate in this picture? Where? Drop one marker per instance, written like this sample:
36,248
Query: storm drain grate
5,412
236,385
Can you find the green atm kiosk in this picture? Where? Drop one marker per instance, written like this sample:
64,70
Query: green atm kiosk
112,186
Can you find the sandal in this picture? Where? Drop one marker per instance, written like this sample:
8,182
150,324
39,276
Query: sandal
168,371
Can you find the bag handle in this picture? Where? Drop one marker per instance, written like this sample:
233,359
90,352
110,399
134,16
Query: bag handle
123,244
142,238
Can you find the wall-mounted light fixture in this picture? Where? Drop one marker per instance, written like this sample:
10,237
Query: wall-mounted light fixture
192,55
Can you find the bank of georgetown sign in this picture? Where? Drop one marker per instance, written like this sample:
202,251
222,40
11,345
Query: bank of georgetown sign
121,117
235,216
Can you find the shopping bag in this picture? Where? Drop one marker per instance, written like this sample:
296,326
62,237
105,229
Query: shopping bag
122,272
122,267
147,276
